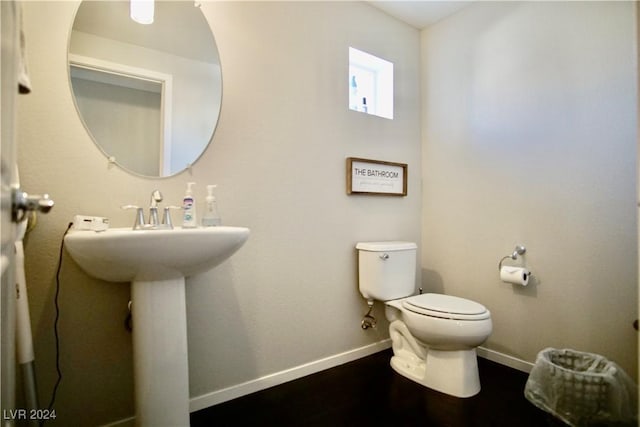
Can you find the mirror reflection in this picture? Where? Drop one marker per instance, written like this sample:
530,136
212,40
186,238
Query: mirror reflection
149,95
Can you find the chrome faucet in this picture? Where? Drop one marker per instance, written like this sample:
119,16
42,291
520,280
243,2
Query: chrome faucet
156,197
154,223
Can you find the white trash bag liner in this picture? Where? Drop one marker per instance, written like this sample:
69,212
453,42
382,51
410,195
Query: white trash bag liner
581,388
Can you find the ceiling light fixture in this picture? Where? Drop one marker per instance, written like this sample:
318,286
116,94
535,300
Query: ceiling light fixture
142,11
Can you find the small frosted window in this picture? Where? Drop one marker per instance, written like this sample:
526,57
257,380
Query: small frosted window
370,84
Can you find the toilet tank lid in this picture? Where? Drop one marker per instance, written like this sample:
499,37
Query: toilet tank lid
386,246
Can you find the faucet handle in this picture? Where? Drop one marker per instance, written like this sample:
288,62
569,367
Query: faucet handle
166,217
156,197
139,223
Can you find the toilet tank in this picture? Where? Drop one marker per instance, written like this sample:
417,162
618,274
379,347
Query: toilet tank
386,270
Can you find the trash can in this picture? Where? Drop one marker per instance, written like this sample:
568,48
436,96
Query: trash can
581,388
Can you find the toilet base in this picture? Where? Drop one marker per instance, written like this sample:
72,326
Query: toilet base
450,372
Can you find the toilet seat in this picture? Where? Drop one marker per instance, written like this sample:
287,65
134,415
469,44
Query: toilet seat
446,307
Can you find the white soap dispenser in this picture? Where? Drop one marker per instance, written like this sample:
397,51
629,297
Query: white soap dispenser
211,217
189,208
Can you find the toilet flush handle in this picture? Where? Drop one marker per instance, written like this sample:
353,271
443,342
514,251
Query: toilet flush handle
384,256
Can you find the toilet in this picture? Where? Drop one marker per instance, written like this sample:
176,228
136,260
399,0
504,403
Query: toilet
434,336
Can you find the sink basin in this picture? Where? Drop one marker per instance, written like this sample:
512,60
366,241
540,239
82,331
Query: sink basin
126,255
156,263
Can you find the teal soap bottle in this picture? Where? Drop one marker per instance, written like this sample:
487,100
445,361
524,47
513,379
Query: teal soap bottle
189,208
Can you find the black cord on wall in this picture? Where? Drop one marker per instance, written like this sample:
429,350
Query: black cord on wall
55,323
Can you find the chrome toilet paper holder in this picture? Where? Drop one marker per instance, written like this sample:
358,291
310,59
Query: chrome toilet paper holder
519,250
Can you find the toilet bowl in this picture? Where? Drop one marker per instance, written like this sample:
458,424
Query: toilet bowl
434,336
434,339
445,322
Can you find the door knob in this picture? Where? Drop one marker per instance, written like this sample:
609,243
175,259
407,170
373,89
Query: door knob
23,203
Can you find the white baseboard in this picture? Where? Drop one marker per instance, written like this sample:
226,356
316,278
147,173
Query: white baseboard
505,359
229,393
233,392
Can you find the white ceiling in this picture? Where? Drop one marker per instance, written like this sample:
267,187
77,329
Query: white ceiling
419,13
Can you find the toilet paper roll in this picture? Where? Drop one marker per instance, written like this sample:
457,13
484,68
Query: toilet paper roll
515,275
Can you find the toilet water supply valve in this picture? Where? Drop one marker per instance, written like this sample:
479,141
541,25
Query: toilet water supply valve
368,321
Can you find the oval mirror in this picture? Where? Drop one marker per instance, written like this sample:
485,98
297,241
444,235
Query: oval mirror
149,95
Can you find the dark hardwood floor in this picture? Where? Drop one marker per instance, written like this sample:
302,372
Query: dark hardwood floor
367,392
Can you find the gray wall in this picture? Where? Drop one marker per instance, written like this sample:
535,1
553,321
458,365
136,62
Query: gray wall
289,296
529,137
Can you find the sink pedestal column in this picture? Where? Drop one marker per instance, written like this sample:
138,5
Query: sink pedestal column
160,358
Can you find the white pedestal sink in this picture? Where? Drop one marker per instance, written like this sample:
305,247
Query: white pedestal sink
156,263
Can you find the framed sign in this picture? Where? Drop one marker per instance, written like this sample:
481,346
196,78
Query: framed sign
376,177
